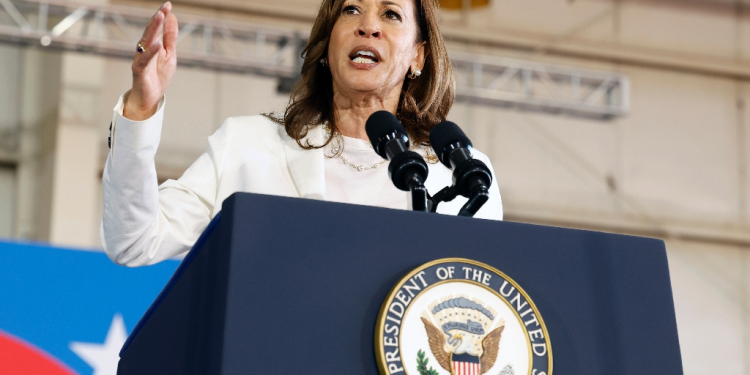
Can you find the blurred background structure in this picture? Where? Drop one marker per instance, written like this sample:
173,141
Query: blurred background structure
625,116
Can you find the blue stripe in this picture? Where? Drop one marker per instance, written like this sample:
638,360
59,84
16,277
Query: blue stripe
465,357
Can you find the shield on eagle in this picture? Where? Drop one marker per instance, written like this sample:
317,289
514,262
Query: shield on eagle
465,364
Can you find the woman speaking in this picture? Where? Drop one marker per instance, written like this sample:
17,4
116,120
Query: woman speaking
363,56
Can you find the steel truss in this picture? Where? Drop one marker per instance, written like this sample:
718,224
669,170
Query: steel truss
115,30
542,87
234,46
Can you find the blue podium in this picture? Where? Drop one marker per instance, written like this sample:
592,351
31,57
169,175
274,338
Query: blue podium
291,286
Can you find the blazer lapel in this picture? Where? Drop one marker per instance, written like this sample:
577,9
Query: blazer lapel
306,166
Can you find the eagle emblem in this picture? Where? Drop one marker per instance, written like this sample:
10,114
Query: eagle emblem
461,309
463,334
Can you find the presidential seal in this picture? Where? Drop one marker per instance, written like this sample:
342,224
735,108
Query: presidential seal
460,317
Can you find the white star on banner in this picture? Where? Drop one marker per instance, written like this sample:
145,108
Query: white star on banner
104,357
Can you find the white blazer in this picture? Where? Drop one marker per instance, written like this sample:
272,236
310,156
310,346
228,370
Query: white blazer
144,223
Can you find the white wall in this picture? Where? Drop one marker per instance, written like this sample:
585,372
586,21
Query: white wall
10,69
7,201
676,161
10,120
29,92
711,293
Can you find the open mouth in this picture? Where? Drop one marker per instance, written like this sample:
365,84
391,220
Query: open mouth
364,56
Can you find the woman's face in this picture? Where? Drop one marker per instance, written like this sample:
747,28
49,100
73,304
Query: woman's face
373,44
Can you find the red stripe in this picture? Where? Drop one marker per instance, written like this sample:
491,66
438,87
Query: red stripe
465,368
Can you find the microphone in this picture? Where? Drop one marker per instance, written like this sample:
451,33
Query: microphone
407,169
471,177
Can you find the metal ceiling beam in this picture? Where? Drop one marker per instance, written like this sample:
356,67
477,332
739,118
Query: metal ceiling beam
242,47
541,87
114,30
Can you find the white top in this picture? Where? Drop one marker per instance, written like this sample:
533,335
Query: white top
144,223
372,187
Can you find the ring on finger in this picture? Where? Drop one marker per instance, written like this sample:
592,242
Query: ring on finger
140,48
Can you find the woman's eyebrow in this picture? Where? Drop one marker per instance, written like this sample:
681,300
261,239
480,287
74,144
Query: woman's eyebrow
387,2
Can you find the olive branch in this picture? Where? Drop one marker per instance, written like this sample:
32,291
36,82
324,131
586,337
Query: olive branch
422,365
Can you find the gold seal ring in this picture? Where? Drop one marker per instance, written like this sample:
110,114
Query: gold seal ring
140,48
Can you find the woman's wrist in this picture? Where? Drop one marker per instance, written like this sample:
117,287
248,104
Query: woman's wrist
138,112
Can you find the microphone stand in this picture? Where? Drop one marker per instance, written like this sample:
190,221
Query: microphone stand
420,198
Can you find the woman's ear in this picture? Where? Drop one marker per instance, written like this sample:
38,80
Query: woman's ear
419,57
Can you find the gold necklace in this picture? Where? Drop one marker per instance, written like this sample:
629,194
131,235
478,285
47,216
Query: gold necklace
337,149
360,168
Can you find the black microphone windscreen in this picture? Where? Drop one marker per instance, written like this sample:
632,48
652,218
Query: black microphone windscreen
381,123
445,133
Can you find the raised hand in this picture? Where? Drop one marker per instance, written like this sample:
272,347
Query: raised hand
154,67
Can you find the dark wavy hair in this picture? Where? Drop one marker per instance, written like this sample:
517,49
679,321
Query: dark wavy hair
424,102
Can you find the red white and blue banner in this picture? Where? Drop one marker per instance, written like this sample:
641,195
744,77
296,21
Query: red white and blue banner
66,311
